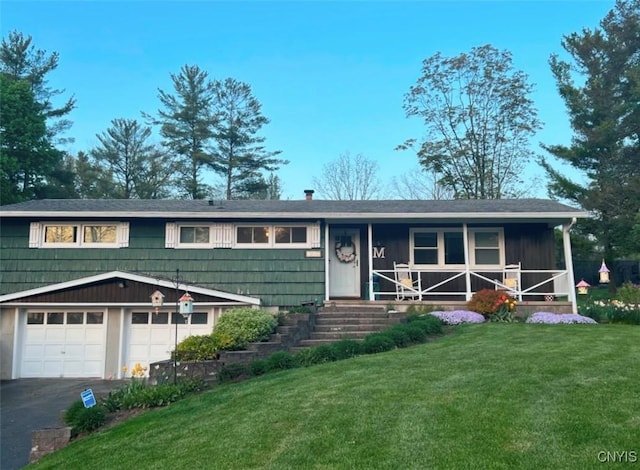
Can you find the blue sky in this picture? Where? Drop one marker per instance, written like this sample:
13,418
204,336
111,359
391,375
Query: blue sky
330,75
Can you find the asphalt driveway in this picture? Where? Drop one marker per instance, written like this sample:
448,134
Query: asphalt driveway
27,405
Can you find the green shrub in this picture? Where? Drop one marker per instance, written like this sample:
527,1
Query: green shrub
281,360
430,324
71,414
321,354
346,348
300,309
113,401
304,358
376,343
416,309
624,314
230,372
629,294
151,397
197,348
259,367
116,398
415,333
239,326
399,336
83,419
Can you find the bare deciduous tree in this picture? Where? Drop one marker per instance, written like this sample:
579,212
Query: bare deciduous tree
419,184
349,178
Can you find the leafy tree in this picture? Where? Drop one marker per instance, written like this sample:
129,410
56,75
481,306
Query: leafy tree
260,188
478,122
187,125
91,180
27,158
61,182
238,154
20,60
604,111
139,169
349,178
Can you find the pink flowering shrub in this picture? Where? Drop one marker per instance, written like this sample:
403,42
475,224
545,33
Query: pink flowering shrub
548,317
456,317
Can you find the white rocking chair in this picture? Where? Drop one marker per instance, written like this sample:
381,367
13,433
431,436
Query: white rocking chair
511,280
406,286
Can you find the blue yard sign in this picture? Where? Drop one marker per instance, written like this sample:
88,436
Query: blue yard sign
88,398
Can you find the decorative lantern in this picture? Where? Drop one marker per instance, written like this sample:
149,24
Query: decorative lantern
157,299
186,305
604,273
583,287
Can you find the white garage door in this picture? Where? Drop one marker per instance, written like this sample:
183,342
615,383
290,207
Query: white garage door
151,337
63,344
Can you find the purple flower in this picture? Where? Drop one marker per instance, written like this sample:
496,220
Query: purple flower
548,317
456,317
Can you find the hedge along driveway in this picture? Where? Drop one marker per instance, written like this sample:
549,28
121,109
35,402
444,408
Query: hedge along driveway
490,396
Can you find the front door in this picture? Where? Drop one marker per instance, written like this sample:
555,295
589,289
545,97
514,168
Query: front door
344,262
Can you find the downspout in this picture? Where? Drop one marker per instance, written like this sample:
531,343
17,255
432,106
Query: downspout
568,260
467,275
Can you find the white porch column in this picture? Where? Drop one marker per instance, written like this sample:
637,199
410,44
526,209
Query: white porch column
123,341
370,260
467,263
326,261
568,261
18,340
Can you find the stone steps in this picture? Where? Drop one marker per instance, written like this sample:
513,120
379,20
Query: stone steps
334,323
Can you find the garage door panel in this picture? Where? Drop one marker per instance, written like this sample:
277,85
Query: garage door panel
63,350
153,342
158,350
52,368
93,352
54,334
53,350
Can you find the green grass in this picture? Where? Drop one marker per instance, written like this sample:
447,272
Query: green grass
490,396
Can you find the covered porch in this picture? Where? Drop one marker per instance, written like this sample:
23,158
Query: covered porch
444,264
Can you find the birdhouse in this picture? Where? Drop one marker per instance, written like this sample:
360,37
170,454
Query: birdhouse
583,287
604,273
157,299
186,305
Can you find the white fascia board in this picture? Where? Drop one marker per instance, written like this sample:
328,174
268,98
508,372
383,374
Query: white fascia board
146,305
299,215
129,277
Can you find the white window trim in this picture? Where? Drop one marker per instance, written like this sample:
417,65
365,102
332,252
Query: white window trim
220,236
441,255
187,245
37,233
225,236
272,242
472,246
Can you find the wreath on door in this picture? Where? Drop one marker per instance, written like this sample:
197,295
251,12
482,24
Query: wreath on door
346,253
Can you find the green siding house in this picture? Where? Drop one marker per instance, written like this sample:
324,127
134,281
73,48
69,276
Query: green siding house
67,263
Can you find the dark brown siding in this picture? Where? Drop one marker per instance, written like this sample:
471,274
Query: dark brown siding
531,244
109,291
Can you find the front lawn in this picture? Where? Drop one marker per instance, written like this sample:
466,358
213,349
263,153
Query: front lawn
489,396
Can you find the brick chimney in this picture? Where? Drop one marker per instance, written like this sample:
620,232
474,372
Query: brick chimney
308,194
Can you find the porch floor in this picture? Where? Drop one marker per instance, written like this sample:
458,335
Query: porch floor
524,308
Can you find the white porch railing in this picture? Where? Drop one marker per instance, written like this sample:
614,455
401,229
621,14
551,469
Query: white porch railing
556,283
